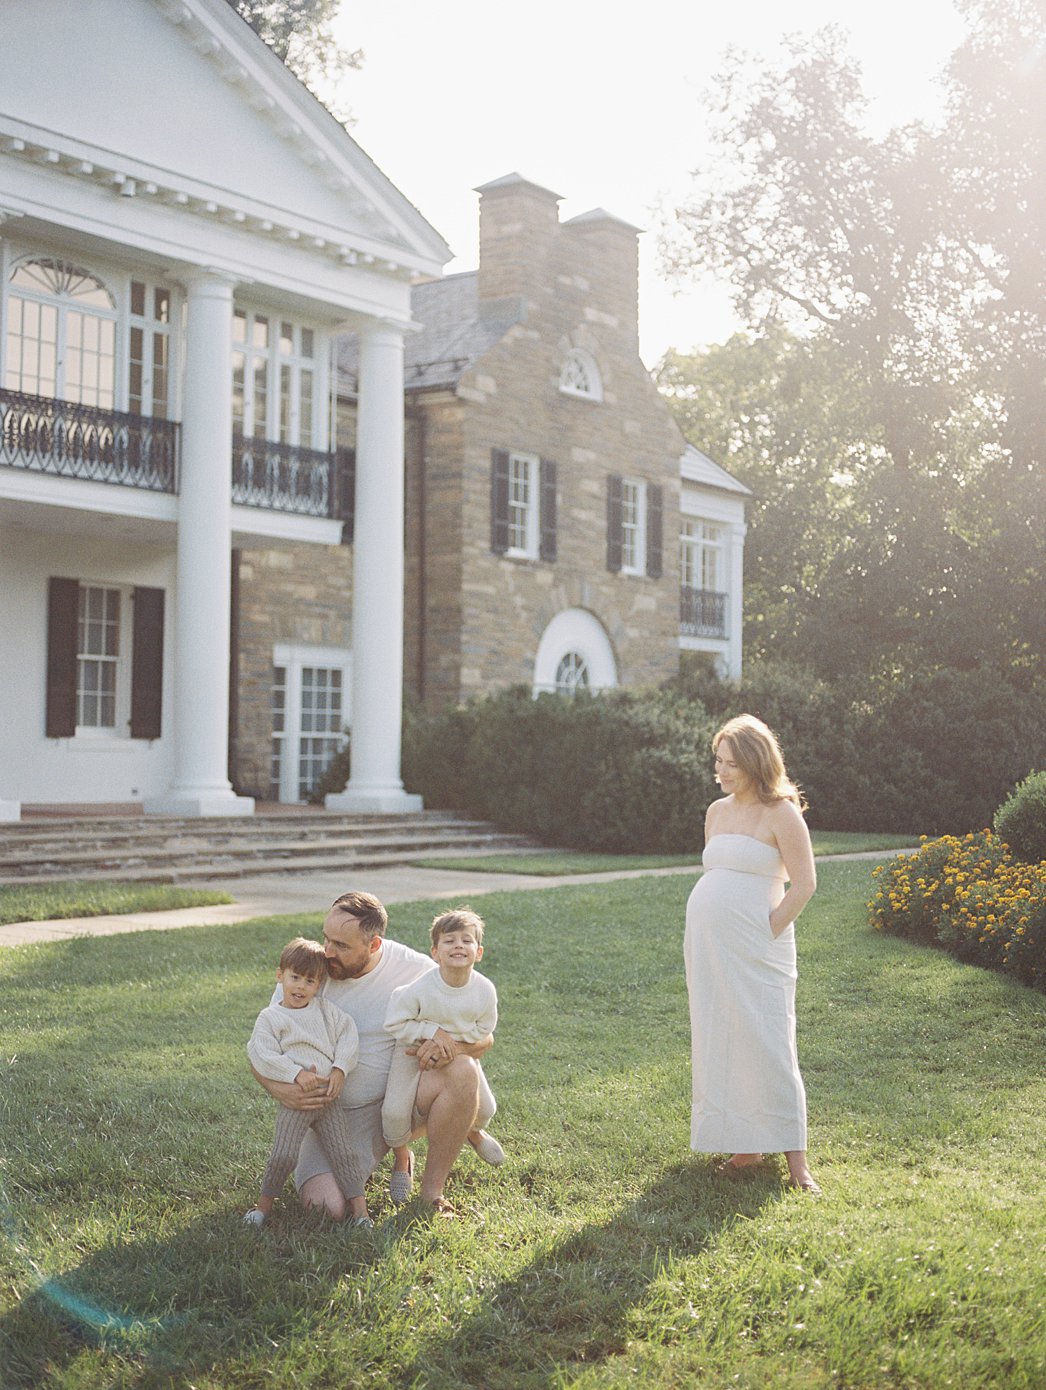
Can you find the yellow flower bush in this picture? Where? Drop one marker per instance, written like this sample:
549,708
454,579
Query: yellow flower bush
970,896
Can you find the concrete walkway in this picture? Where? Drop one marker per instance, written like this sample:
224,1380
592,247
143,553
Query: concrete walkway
281,894
278,895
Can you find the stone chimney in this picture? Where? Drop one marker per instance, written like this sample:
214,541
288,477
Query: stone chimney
607,252
518,223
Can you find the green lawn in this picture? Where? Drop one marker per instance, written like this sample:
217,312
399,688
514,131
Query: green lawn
604,1253
45,903
550,863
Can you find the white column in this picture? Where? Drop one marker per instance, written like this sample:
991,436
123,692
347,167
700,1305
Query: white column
735,619
201,785
377,582
9,810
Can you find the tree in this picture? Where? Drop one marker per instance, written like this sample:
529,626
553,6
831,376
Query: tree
299,32
913,276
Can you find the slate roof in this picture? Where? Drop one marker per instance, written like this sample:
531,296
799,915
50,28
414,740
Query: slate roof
456,331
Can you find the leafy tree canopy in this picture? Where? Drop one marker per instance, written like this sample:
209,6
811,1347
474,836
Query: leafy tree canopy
887,402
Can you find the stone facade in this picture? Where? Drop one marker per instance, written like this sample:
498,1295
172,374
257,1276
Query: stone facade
483,614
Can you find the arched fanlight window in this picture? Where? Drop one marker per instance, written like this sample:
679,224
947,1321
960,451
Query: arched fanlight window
61,334
572,674
580,376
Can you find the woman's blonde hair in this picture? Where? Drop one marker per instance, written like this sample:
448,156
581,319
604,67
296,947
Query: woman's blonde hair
758,755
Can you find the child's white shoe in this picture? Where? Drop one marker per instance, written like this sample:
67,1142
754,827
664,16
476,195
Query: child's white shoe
254,1217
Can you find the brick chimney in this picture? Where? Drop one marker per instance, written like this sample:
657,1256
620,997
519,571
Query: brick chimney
518,223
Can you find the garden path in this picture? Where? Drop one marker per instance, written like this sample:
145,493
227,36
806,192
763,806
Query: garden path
277,895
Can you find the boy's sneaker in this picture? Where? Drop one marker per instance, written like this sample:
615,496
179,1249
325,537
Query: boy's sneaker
401,1184
362,1222
487,1148
254,1217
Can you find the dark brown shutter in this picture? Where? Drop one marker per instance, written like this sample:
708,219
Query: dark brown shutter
147,663
499,501
614,536
345,494
63,605
653,531
547,549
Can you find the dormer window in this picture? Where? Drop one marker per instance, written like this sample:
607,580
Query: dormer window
580,376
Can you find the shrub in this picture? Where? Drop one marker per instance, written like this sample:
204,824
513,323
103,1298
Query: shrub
623,771
968,896
920,752
1021,819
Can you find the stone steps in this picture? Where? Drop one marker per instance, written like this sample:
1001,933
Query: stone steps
174,850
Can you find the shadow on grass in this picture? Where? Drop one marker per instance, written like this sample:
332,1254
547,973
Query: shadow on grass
166,1311
570,1309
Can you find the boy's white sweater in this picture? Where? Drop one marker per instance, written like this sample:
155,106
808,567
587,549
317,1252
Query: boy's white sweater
285,1041
467,1012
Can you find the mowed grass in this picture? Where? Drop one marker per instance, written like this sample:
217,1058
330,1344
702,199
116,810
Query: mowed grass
604,1253
550,863
51,901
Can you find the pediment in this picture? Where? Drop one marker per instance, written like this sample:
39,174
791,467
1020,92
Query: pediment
182,96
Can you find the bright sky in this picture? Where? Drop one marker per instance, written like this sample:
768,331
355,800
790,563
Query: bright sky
605,111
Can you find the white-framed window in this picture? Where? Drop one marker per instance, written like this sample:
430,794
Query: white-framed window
633,526
61,333
572,674
91,338
580,376
149,350
523,504
702,555
102,670
274,387
310,711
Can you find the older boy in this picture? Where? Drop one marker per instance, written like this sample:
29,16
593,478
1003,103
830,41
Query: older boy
452,1002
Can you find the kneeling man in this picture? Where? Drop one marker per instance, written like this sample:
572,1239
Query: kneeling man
454,1102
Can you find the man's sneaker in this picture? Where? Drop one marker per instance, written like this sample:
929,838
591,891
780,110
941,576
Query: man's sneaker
362,1222
488,1148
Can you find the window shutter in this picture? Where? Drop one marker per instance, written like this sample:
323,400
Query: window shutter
614,537
547,549
147,663
63,603
499,501
653,531
345,507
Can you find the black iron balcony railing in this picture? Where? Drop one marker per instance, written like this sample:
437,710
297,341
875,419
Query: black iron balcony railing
286,478
702,613
82,441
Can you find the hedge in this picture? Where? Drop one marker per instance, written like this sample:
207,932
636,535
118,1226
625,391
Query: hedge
922,753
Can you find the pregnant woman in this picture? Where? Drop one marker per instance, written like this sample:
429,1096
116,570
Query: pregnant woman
740,958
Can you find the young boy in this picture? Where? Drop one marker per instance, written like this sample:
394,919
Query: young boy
293,1040
453,1000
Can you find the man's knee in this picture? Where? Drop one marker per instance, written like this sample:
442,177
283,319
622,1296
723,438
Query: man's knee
463,1075
323,1191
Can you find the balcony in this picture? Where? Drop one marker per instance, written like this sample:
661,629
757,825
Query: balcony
286,478
42,435
702,612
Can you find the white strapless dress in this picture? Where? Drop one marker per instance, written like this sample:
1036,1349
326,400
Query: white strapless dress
748,1093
